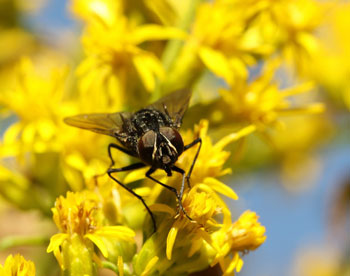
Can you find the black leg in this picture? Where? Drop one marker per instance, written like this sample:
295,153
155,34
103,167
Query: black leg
198,140
112,145
128,168
176,169
172,189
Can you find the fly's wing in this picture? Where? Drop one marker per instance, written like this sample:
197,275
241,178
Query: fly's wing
104,123
174,105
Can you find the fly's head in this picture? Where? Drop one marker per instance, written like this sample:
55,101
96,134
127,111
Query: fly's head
161,149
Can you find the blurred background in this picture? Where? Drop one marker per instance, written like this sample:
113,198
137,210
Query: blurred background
302,195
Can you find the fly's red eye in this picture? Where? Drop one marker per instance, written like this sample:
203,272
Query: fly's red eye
146,146
174,138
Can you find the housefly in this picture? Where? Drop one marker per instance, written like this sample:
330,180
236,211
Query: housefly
150,134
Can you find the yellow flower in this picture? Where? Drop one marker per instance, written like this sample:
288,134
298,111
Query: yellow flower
17,266
243,235
298,21
77,218
211,159
219,44
261,102
331,65
115,57
37,101
201,207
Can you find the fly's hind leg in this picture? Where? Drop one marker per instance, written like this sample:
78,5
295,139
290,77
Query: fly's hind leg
172,189
198,140
129,168
110,146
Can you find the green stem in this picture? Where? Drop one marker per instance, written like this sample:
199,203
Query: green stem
114,268
12,241
173,47
110,266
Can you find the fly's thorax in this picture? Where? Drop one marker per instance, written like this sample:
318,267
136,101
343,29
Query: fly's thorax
149,119
160,149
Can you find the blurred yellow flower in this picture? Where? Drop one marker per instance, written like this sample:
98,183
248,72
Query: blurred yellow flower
330,68
217,38
262,103
115,57
17,266
298,21
37,101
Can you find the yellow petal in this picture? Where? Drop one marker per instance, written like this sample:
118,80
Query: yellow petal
220,187
217,63
147,66
116,232
149,266
98,241
314,108
135,175
55,241
239,265
59,258
163,208
120,264
235,136
170,241
232,264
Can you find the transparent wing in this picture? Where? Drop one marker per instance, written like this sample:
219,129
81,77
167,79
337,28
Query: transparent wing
174,104
104,123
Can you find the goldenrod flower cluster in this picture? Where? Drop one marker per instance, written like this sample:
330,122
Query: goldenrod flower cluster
134,52
17,266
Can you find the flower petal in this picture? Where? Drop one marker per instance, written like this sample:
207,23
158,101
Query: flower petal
119,232
220,187
163,208
170,241
217,63
149,266
120,264
55,241
98,241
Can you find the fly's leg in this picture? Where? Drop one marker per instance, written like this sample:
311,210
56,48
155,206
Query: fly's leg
110,146
198,140
172,189
128,168
115,146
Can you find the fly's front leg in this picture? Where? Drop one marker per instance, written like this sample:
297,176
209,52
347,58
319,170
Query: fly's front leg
115,146
172,189
129,168
110,146
198,140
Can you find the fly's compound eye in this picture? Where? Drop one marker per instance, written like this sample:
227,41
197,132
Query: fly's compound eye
146,146
174,138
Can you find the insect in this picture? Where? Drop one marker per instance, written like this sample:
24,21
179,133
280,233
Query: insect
151,135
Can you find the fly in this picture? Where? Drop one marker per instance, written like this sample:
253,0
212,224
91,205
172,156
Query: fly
151,135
